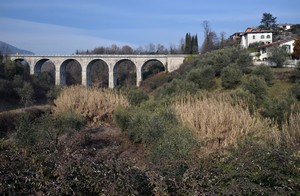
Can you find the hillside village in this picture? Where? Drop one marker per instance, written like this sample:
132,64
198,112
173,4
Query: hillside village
259,40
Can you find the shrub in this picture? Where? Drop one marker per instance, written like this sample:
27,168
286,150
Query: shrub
12,68
278,108
224,57
136,96
204,78
256,86
265,72
297,72
122,117
174,145
18,81
248,170
295,91
46,128
53,93
69,121
26,94
26,134
158,128
176,87
6,89
278,55
231,77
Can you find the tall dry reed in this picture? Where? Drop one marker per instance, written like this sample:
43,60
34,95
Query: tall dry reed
291,130
96,105
219,123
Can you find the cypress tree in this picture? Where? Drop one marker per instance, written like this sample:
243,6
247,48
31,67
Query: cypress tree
195,46
188,44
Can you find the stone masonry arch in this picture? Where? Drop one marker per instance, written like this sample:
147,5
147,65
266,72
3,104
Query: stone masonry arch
152,66
117,78
104,72
38,65
63,66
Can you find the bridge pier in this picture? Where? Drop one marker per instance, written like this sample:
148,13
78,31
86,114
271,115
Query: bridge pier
57,77
138,77
84,78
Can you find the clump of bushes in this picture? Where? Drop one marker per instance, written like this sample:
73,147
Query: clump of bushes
295,91
53,93
249,170
258,87
204,77
157,128
46,128
135,96
175,87
278,108
225,57
96,105
264,72
231,77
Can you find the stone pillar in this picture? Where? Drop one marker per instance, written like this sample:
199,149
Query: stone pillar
138,77
111,79
31,67
57,77
83,77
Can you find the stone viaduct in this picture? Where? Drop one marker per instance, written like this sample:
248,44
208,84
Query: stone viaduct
35,62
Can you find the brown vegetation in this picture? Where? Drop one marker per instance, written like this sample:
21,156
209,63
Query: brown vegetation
291,130
219,123
96,105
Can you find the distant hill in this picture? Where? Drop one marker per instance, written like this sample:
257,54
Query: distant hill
6,48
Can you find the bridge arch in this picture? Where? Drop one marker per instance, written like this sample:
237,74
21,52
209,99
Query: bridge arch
125,73
152,67
97,73
38,67
26,67
70,72
45,68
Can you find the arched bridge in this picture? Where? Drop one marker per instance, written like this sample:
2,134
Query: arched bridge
35,62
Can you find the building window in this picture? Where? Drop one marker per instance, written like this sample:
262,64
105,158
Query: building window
253,36
268,36
262,37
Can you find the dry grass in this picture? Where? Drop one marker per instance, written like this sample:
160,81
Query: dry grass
218,123
96,105
291,130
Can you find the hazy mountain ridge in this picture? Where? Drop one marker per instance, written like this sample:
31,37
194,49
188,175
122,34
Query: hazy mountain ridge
9,49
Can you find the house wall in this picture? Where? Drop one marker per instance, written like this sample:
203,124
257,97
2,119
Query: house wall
290,46
249,38
264,51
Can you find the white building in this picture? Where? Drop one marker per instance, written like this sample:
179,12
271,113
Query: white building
285,27
263,50
256,35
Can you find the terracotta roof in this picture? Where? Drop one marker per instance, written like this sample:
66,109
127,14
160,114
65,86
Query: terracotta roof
277,42
257,30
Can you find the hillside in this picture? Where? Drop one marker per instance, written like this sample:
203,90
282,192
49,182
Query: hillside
6,48
216,126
